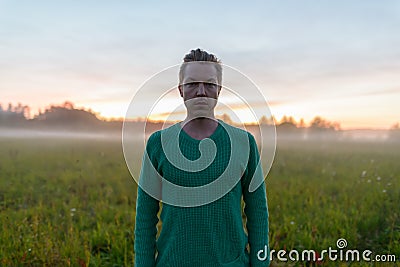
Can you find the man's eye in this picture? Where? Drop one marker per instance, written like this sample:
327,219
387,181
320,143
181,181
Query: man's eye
195,84
210,84
192,84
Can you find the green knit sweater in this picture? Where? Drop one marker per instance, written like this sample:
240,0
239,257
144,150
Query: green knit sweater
207,235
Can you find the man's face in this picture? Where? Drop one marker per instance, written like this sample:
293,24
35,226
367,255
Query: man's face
200,88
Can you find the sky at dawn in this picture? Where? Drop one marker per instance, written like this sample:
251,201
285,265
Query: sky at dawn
335,59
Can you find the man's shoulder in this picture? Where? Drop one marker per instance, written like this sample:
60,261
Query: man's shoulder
237,130
155,137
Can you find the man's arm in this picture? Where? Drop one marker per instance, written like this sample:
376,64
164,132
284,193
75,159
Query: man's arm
147,208
145,229
256,208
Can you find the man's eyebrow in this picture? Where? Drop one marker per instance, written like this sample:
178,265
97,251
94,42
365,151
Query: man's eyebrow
190,79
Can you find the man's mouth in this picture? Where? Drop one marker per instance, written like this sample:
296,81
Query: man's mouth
201,102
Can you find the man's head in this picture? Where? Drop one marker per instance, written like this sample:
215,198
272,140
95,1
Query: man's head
200,82
200,70
200,56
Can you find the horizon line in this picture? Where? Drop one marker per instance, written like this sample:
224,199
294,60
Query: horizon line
140,118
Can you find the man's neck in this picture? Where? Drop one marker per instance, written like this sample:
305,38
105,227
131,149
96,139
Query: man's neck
200,128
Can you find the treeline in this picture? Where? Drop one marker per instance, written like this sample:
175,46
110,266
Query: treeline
64,117
55,117
67,116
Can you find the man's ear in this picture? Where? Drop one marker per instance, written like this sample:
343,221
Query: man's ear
180,90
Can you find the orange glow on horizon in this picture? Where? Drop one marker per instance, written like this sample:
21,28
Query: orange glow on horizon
116,112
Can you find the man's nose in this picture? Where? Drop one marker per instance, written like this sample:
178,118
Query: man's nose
201,90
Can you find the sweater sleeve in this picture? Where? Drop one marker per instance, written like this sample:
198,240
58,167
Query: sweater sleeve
256,209
147,208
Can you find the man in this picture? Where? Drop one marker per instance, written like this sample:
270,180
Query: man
206,228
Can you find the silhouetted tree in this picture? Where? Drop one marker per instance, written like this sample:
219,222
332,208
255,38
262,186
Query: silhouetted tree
287,124
68,105
226,118
266,121
66,115
13,116
27,112
319,123
394,133
302,123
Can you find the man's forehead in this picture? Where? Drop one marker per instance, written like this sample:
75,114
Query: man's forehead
200,71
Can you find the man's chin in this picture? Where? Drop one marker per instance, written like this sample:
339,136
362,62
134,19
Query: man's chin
201,114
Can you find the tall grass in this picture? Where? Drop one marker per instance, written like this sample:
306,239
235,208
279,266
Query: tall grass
71,202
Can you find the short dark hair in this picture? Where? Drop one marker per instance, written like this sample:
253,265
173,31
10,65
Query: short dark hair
201,55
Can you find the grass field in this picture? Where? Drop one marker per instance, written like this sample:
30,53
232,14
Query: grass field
71,202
